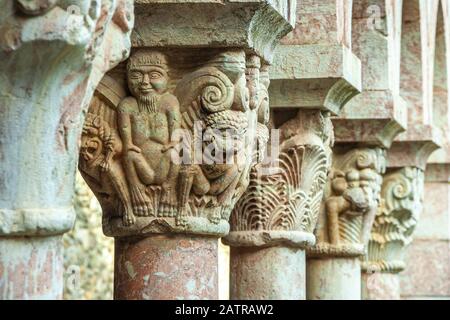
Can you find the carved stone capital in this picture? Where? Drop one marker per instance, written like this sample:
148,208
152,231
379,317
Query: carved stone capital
396,219
350,203
171,151
52,55
282,201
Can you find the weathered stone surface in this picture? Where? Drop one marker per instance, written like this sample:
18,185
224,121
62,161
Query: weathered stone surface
380,286
31,268
379,114
396,219
256,26
159,127
166,267
282,201
333,279
267,273
131,144
314,66
429,252
435,220
351,200
427,269
52,53
71,55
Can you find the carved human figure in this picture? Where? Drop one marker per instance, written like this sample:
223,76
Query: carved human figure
146,121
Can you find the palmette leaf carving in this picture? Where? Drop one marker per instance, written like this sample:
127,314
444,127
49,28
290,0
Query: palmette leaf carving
282,204
397,217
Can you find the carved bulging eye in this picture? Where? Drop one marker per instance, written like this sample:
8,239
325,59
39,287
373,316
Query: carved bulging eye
136,75
155,75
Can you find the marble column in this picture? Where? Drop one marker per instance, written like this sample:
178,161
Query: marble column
52,55
403,183
364,130
273,223
170,136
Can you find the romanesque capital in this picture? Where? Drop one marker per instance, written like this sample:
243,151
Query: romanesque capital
351,199
282,202
167,147
52,53
396,219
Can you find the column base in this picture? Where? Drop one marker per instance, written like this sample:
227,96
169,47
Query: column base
31,268
164,267
273,273
333,279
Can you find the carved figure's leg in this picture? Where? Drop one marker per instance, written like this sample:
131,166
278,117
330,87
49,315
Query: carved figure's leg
333,210
120,185
136,168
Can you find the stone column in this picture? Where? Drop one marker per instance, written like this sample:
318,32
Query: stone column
52,55
168,142
366,127
273,223
403,183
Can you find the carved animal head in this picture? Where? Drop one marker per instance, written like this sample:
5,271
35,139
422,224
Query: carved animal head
92,138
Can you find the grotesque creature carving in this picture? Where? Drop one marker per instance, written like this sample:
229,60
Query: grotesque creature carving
179,149
352,198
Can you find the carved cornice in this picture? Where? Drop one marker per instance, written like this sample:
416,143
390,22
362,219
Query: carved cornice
378,123
281,204
306,76
414,147
397,217
157,159
350,202
257,26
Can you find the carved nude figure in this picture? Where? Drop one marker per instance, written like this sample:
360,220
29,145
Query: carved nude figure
146,122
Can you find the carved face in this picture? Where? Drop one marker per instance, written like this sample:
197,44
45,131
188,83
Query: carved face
91,148
147,80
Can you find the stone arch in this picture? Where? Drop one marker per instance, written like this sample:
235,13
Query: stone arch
440,82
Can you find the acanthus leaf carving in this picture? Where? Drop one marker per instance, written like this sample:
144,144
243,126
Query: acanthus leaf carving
397,217
282,201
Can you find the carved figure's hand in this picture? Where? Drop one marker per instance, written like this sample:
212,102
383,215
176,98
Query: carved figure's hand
169,146
134,148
